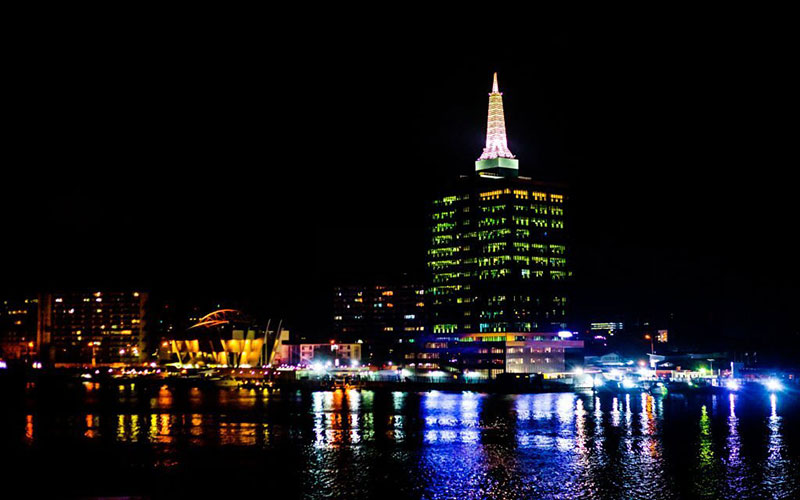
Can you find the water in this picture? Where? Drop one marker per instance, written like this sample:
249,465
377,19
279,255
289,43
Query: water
126,440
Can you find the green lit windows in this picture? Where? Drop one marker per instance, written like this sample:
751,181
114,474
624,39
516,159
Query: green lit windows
444,227
521,221
539,209
494,260
447,200
495,247
493,234
558,275
493,209
531,273
558,249
522,233
491,314
443,264
556,211
444,328
496,299
443,252
488,274
522,246
557,224
492,221
442,239
522,259
493,327
558,262
445,290
539,222
443,215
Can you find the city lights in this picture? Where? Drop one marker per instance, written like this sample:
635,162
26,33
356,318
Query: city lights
773,385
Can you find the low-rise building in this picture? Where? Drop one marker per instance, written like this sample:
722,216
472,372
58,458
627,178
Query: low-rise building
491,354
328,354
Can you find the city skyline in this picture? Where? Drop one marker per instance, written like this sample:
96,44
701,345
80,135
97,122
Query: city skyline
620,134
297,255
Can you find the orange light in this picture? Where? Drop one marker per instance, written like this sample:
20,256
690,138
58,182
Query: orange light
647,337
30,345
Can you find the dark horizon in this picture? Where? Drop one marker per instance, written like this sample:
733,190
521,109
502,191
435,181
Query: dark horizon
197,170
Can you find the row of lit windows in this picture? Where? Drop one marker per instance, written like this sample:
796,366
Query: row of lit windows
493,209
443,215
443,227
445,251
448,200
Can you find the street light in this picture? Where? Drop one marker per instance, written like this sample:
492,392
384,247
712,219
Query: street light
649,337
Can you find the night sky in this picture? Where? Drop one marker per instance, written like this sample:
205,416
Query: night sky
242,164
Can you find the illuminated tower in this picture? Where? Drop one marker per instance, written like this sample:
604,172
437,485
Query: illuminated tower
496,159
498,255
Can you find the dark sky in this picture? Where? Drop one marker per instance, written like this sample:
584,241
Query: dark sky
226,161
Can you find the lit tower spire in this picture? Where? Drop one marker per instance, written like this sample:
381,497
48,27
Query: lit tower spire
496,158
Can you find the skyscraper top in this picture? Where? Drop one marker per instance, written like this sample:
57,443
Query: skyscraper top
496,158
496,140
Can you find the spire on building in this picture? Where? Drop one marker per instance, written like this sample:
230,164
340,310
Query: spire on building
496,159
496,140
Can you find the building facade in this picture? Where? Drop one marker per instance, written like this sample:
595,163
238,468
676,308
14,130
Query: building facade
382,316
103,327
498,255
488,355
19,326
332,355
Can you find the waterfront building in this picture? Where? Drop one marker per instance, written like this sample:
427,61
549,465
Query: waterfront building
331,354
373,312
498,255
488,355
226,338
100,327
19,322
383,316
499,268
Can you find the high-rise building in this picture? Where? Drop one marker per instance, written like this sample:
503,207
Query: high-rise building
382,316
498,270
498,257
100,327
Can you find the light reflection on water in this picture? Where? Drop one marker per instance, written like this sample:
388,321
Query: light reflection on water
455,445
